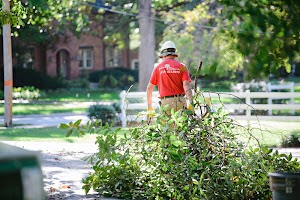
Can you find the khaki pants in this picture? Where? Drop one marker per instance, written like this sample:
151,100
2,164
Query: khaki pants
176,103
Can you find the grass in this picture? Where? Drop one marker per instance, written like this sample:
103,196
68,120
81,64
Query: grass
52,134
59,102
267,132
270,133
82,95
46,109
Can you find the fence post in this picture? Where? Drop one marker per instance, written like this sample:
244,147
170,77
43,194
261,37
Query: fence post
123,108
248,102
281,87
292,99
270,100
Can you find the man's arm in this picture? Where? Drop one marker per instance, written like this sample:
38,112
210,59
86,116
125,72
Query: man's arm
188,90
149,91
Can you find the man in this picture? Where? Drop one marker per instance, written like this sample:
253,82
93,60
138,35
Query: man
173,81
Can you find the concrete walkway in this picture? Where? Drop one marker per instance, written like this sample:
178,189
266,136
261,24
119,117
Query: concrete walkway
39,121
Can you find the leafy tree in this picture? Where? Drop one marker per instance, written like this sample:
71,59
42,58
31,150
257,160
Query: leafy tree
14,16
36,20
198,38
267,32
150,23
46,18
258,36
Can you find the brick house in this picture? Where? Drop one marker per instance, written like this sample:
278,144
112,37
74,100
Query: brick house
72,57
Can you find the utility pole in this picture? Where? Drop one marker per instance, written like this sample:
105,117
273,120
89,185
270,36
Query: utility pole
8,77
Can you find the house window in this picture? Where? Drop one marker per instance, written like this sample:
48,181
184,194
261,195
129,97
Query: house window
135,64
113,57
24,58
86,57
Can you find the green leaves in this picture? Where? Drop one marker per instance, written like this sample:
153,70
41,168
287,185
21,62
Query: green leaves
15,16
73,128
176,142
186,159
263,28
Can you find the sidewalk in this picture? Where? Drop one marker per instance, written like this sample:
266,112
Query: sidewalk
40,121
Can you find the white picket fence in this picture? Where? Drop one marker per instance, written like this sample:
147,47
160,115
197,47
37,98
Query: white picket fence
289,86
136,101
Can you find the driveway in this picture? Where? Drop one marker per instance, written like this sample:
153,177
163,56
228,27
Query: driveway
62,163
63,168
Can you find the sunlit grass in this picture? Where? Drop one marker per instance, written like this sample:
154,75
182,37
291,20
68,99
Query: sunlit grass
49,134
83,95
270,133
41,134
60,101
26,109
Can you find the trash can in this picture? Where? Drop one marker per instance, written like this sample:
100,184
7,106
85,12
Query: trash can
285,185
20,174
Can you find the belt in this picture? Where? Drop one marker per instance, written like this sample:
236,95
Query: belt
172,96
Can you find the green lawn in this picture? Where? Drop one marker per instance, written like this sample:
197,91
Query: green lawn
59,101
63,97
82,95
27,109
268,133
41,134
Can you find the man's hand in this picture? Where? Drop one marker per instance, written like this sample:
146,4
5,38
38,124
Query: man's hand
190,106
150,113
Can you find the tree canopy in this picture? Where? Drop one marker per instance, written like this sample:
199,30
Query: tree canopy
14,16
258,36
267,33
198,38
38,19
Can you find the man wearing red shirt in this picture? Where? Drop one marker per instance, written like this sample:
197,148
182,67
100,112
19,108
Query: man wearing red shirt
172,78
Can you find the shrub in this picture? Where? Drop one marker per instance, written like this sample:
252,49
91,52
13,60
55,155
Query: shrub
117,73
29,77
117,107
108,81
292,140
82,83
126,81
1,94
26,93
105,113
297,69
181,157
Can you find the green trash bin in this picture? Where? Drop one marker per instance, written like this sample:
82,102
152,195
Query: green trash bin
285,185
20,174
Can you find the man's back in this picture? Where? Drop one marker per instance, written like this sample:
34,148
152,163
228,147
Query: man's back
169,76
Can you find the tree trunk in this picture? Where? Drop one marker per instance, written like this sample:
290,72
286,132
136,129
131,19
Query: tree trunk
147,47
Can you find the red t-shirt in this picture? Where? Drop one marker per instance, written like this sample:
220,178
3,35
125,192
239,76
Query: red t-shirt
169,76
